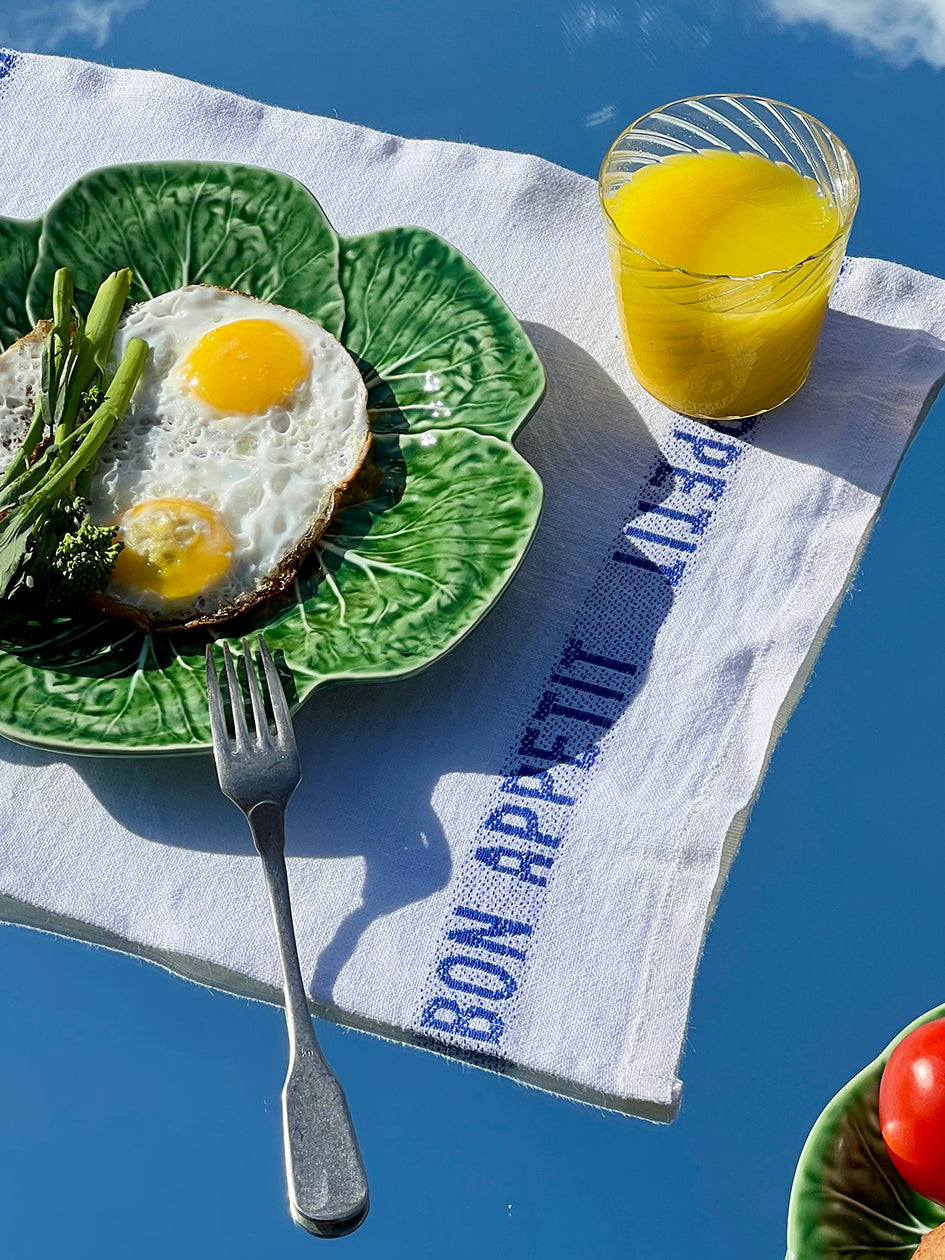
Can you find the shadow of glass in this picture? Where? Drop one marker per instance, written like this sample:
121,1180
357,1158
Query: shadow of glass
374,756
843,380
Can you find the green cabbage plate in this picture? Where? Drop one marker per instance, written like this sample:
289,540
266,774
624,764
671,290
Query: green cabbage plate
437,522
848,1201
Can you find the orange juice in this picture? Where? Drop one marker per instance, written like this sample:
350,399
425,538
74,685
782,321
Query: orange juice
723,264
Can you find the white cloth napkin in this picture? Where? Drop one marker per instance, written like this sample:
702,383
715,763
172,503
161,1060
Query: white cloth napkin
641,664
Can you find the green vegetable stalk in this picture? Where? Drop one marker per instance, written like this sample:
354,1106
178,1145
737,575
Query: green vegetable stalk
50,552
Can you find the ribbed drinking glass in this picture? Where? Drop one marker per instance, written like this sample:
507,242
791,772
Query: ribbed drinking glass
715,346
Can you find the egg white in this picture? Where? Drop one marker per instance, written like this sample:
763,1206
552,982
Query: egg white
273,478
20,369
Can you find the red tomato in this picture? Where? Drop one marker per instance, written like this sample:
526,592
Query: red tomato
912,1109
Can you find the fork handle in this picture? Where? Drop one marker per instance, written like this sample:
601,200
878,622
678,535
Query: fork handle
328,1191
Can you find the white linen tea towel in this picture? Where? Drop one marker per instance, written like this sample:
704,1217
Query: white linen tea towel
514,855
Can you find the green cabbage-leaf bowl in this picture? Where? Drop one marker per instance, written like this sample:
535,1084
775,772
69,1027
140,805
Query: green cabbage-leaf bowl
430,533
848,1201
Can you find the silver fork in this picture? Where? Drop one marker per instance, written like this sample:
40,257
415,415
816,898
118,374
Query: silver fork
259,771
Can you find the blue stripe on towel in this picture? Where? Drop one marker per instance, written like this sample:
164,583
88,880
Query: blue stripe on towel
8,60
480,961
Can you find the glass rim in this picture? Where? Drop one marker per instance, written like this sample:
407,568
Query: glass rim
847,219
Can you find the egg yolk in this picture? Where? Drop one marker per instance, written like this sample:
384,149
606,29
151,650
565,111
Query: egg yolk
173,548
247,366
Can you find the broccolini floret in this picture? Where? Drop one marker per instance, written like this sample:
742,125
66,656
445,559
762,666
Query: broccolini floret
74,558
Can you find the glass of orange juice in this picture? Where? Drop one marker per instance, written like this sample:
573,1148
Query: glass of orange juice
726,219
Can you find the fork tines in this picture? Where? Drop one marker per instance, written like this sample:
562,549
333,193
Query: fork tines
273,704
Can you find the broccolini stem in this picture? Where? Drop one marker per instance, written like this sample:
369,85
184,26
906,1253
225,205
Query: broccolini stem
18,491
101,423
57,348
62,310
105,313
92,346
18,464
54,353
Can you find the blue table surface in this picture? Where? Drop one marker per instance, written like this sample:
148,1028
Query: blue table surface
140,1114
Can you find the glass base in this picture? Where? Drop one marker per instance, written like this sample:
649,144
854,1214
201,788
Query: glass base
694,415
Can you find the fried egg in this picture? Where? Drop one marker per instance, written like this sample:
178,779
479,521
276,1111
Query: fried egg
248,422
